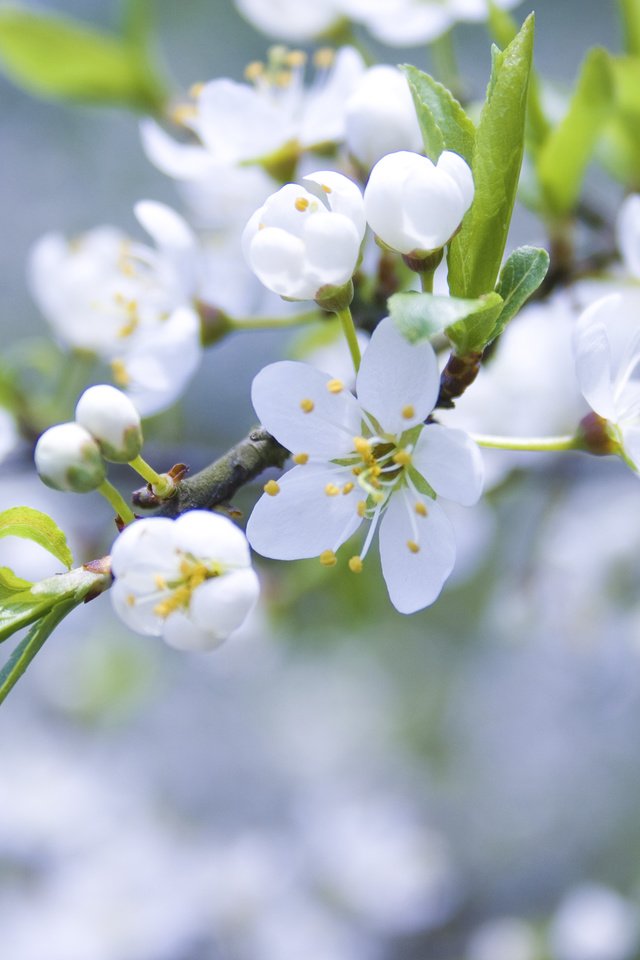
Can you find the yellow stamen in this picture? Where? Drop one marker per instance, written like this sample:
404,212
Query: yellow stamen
301,458
283,79
335,386
131,600
301,204
195,90
409,411
355,565
331,490
325,188
271,488
348,487
361,508
324,57
420,509
160,582
253,71
413,546
362,446
120,373
296,58
328,558
402,458
307,405
183,113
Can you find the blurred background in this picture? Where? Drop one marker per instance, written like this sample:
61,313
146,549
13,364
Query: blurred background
337,782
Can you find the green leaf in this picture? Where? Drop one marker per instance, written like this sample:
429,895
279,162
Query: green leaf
630,13
34,525
469,324
57,57
30,646
502,25
444,124
563,160
521,276
475,253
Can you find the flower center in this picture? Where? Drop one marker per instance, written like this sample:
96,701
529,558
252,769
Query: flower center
178,592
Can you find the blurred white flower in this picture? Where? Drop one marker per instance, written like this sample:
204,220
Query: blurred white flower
628,233
290,19
365,459
381,117
594,922
9,436
415,206
188,580
68,458
508,938
407,23
112,420
307,238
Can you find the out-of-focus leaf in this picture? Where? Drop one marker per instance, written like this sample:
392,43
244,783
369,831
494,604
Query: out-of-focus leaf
444,124
469,324
520,277
37,526
476,331
30,646
630,13
563,160
55,56
475,253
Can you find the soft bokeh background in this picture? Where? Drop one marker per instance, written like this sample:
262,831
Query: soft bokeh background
337,781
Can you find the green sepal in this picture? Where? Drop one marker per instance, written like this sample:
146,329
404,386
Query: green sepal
443,121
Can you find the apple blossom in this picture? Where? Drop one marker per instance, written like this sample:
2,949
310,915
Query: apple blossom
415,206
406,23
68,458
188,580
371,458
381,117
112,420
305,240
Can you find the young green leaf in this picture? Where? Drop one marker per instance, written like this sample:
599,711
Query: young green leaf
630,13
444,124
33,525
30,646
520,277
55,56
475,253
563,160
469,324
476,331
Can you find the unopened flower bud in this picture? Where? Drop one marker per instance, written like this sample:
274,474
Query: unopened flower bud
68,458
380,116
112,420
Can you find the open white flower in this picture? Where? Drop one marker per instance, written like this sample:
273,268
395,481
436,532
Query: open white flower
291,19
188,580
407,23
371,458
415,206
381,117
307,238
607,354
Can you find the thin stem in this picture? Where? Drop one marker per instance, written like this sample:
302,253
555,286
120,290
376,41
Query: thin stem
534,444
349,330
426,281
274,323
146,472
117,501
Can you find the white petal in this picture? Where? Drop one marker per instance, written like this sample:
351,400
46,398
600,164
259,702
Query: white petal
628,233
221,605
631,443
384,197
211,536
182,161
450,462
137,610
593,354
414,580
278,260
342,195
167,228
237,123
327,431
147,543
290,19
332,248
179,631
458,169
302,520
323,120
433,206
396,375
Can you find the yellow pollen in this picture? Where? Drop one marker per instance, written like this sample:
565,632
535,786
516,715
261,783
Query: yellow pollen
375,470
160,582
331,490
409,411
120,374
420,509
262,226
413,546
195,90
355,565
307,405
128,328
362,446
325,188
301,204
348,487
328,558
324,57
301,458
183,113
283,79
356,471
253,71
296,58
361,508
335,386
402,458
131,600
271,488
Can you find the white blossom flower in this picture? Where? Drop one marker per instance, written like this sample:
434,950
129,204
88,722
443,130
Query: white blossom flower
307,238
112,420
68,458
607,354
594,922
414,205
628,234
115,297
407,23
9,436
371,458
381,117
290,19
188,580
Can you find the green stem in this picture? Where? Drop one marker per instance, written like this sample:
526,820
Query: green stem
146,472
534,444
274,323
349,330
426,281
117,501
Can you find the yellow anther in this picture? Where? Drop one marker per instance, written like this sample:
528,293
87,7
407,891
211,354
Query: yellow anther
328,558
120,373
160,582
331,490
413,546
283,79
324,57
362,446
195,90
128,328
375,470
409,411
296,58
301,458
253,71
420,509
262,226
325,188
271,488
335,386
356,471
361,508
355,565
131,600
348,487
402,458
183,113
307,405
301,204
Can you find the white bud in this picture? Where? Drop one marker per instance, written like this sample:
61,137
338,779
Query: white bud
415,206
380,116
305,240
112,420
68,458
